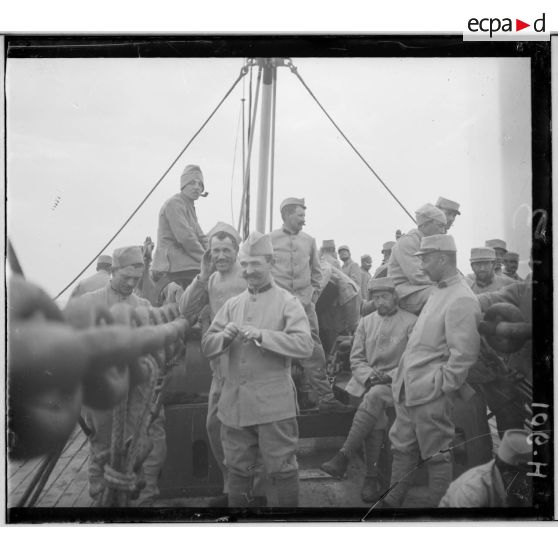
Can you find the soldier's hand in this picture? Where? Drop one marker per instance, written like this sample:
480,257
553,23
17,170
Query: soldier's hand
207,266
252,334
231,331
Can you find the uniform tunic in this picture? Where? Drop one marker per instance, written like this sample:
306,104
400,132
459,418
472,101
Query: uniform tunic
497,283
352,269
364,279
443,346
479,487
513,275
377,347
257,387
96,281
180,239
108,297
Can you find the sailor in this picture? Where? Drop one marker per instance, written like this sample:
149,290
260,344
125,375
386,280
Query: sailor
386,254
181,242
365,265
97,280
259,332
127,269
511,263
483,263
380,339
501,483
413,286
349,267
499,247
297,269
432,372
450,209
220,278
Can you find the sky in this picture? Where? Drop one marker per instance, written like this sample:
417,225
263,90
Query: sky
88,138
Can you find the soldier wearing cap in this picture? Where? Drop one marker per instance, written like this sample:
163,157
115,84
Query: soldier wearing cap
413,286
442,347
297,269
220,278
386,254
259,332
181,242
97,280
127,269
380,339
501,483
450,209
511,263
499,246
365,265
484,279
329,253
349,267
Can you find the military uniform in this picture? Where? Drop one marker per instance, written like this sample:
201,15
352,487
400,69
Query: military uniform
96,281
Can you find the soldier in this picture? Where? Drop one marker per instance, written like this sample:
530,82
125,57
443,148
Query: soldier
127,269
483,263
259,331
432,372
511,263
386,254
380,339
499,247
349,267
450,209
329,253
501,483
97,280
181,242
220,278
365,265
297,269
413,286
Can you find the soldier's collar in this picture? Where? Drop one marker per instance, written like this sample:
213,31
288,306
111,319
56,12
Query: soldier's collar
449,281
260,290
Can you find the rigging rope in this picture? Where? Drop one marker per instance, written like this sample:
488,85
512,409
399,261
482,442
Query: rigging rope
234,161
243,72
294,70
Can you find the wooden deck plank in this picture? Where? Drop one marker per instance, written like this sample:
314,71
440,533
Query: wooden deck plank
52,497
76,487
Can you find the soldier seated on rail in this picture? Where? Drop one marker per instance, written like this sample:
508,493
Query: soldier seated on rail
259,331
380,339
127,269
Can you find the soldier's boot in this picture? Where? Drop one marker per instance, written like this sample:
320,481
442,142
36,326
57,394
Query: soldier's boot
336,466
401,478
240,491
440,474
287,489
372,447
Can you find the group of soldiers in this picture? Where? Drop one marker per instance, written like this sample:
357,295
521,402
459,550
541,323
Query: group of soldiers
414,325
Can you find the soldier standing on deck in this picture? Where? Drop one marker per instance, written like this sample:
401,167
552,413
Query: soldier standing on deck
365,265
484,279
259,332
349,267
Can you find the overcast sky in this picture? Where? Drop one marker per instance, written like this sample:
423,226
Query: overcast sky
88,138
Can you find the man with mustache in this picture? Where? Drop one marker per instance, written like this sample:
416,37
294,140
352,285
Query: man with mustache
181,242
258,333
297,269
483,263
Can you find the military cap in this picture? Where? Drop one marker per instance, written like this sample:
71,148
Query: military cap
365,257
436,243
127,256
343,247
388,246
514,448
328,244
444,203
483,255
257,244
292,201
104,260
496,243
512,256
224,228
381,284
429,212
191,172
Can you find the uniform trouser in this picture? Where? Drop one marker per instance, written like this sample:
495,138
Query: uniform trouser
415,301
277,443
315,366
213,425
100,424
422,431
